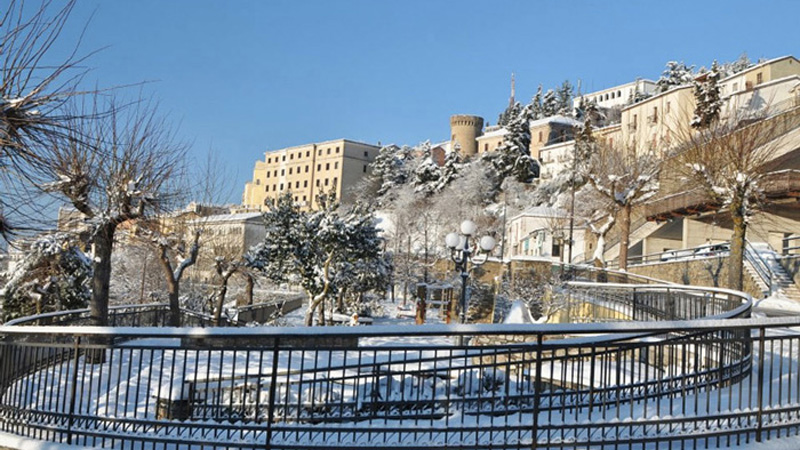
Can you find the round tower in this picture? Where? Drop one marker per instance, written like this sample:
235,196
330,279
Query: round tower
464,129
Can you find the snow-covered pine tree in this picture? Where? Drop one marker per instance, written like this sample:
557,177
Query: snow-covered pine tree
564,99
311,248
536,104
675,74
707,98
54,275
513,157
549,104
426,174
449,170
731,68
390,167
509,113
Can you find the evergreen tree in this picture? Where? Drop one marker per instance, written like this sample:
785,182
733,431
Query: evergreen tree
564,99
675,74
707,98
536,105
426,174
449,170
549,104
320,250
53,276
513,157
510,112
731,68
390,168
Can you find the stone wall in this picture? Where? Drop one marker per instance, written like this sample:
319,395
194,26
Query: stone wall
698,272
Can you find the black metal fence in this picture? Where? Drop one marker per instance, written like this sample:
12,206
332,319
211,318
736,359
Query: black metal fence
667,383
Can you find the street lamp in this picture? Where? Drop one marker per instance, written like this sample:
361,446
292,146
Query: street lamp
463,254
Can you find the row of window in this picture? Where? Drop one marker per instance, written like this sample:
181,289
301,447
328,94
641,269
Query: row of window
279,187
308,155
319,168
608,95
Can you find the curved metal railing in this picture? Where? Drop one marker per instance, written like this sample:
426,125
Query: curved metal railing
651,372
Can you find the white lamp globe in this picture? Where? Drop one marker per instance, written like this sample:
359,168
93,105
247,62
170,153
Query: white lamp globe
487,243
452,240
468,228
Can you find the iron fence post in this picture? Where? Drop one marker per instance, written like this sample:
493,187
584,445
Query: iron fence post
537,393
760,385
273,381
73,389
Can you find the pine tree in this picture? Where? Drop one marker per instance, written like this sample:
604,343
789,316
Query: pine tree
564,94
390,168
707,98
449,170
53,276
321,250
513,157
675,74
536,105
510,112
549,104
426,174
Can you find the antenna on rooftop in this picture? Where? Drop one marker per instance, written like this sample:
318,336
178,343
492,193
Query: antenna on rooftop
511,99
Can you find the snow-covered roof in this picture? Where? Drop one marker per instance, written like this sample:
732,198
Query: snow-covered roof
494,133
443,145
758,66
618,87
541,211
561,120
657,96
219,218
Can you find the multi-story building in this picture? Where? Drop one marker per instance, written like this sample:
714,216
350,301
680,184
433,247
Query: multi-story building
224,235
543,232
307,170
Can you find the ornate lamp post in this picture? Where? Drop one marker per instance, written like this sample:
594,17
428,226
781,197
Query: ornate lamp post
464,255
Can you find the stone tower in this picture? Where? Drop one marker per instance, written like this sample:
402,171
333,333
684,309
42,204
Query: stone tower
464,129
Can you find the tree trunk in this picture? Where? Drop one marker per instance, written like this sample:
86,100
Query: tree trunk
173,288
223,290
248,291
624,236
736,260
101,277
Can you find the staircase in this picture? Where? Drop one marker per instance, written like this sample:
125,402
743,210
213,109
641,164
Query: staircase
639,230
782,282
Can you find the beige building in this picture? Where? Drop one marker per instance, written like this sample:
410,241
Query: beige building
227,236
550,131
543,233
491,139
617,96
307,170
655,122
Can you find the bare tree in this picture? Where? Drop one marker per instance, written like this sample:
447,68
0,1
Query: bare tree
114,168
627,177
731,162
35,84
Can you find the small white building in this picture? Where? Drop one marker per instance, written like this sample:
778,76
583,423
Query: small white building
543,232
617,96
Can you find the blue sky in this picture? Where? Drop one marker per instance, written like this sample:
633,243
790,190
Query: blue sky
244,77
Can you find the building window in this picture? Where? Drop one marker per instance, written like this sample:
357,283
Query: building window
336,165
335,181
266,188
290,170
291,155
306,168
365,168
268,174
296,184
258,181
317,183
486,147
304,198
274,187
337,149
327,166
275,174
619,94
308,153
281,186
295,199
305,183
283,158
759,78
366,154
319,167
326,181
541,136
269,160
283,172
556,249
319,153
667,108
329,151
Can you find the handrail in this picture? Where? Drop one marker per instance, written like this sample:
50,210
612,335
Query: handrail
760,266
